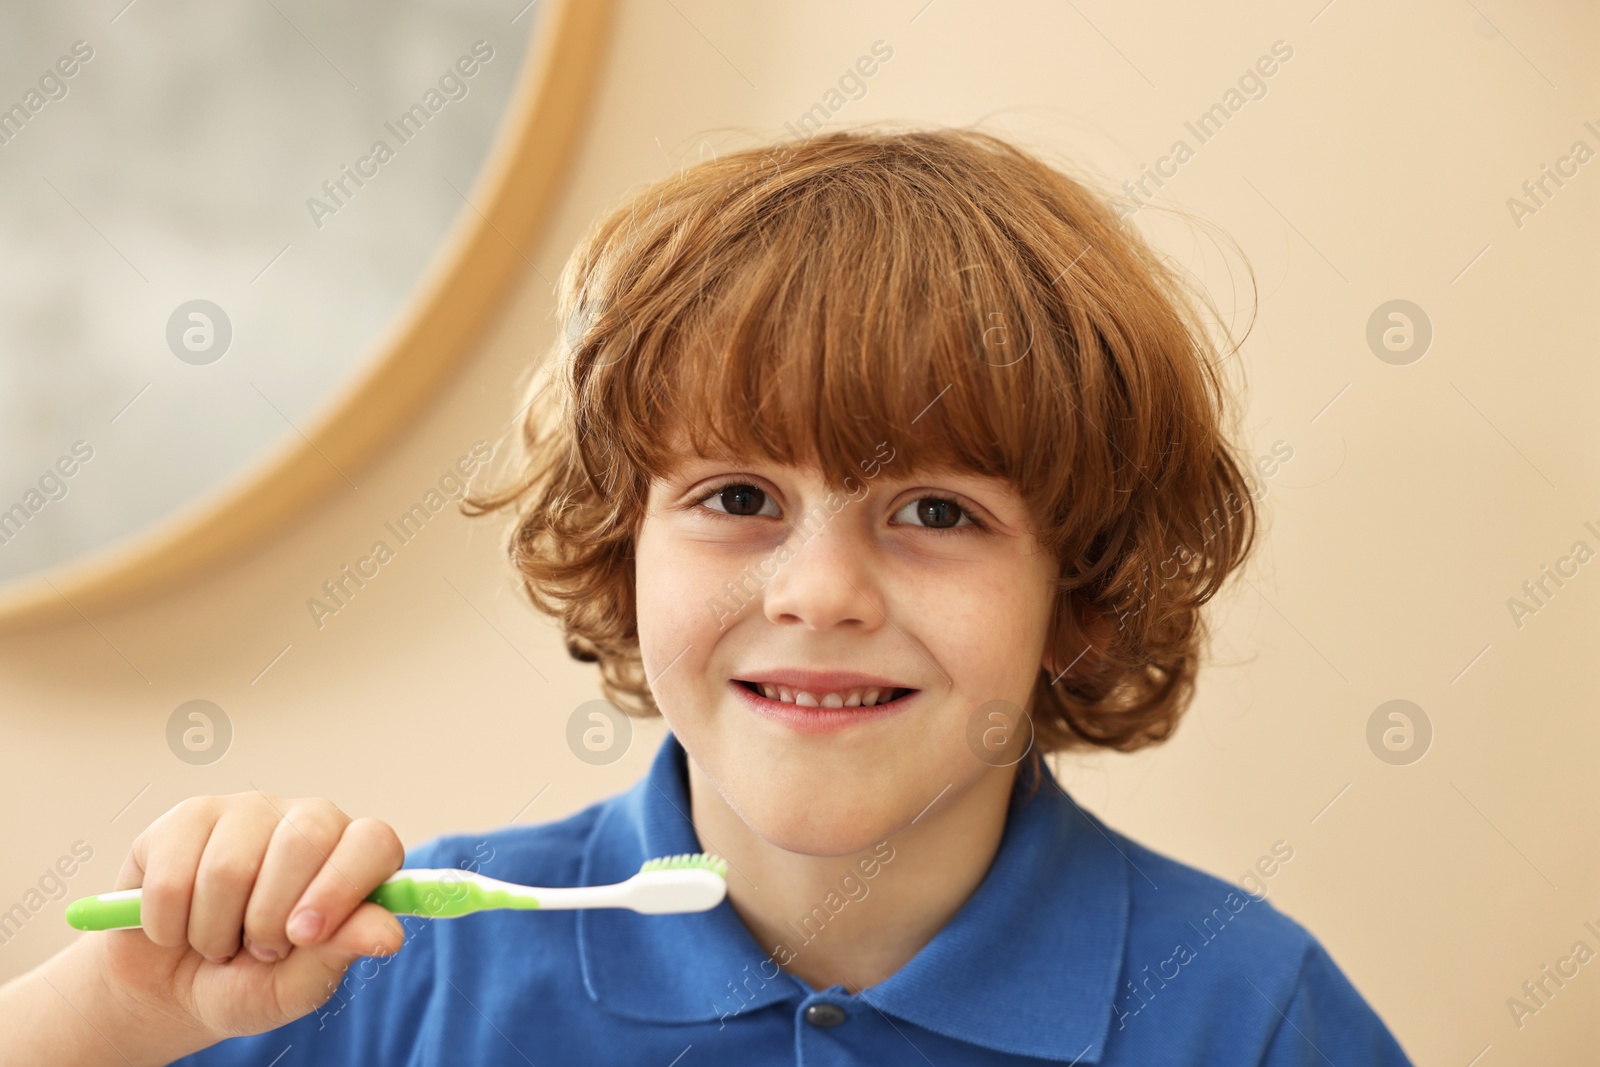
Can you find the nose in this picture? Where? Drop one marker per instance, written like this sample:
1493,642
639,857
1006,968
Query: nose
828,578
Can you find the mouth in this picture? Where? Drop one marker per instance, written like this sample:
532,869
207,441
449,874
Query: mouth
858,696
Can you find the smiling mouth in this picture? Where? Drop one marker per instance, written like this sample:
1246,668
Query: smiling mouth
855,697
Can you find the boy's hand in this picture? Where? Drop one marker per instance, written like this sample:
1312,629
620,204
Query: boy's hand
252,908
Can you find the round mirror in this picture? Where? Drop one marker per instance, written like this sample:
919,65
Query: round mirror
244,242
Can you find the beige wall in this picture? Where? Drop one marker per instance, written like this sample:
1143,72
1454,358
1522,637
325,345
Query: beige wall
1377,166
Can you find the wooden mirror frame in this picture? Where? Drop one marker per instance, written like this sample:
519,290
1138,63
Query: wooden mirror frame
468,279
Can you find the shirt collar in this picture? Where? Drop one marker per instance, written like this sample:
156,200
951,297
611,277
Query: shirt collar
1028,965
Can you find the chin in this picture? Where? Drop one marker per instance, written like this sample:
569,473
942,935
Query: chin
831,795
828,838
823,810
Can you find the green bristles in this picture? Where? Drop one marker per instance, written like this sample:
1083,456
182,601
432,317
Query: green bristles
704,860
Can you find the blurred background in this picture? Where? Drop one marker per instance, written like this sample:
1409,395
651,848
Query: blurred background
185,158
1403,681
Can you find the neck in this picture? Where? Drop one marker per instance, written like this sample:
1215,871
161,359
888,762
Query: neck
854,920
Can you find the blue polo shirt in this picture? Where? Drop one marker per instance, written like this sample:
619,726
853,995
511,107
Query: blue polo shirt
1080,946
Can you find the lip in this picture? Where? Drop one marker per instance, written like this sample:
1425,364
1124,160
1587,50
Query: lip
819,720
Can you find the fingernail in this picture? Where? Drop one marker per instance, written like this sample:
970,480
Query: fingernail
265,955
219,960
305,925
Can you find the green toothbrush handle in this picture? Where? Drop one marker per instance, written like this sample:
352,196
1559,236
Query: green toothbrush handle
444,895
432,894
108,911
435,894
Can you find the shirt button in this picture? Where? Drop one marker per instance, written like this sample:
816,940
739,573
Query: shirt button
824,1014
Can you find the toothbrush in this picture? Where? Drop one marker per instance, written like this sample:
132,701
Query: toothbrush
691,881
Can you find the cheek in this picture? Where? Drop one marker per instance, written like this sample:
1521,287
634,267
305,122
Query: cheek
661,592
987,633
675,601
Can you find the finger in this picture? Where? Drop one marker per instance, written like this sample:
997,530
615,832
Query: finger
131,876
300,845
309,976
171,850
226,874
368,852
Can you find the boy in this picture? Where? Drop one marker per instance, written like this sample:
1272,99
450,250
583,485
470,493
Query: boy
879,464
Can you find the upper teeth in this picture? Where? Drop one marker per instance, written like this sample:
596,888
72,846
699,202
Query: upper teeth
861,696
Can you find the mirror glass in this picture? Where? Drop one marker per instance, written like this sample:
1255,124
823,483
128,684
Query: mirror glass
212,214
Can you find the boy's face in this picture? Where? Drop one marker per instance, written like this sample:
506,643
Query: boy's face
753,571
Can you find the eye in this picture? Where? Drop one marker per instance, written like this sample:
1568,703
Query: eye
934,512
740,498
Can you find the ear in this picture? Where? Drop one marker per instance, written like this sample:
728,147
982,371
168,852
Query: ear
1084,641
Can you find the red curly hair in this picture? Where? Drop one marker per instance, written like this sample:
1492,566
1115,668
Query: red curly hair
942,290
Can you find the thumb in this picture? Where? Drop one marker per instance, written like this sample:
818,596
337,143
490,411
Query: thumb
310,974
